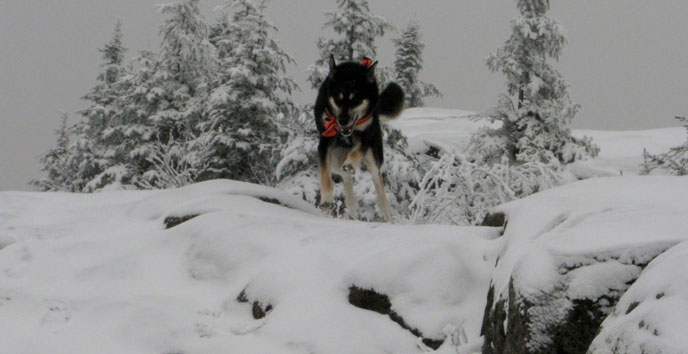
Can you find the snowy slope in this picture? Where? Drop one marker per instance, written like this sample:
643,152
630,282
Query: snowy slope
620,151
100,274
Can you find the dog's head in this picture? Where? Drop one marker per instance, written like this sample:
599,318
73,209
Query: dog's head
352,92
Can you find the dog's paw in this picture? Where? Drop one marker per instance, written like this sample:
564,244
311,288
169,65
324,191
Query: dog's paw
327,206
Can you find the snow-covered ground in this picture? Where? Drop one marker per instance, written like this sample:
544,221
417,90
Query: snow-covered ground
101,273
621,152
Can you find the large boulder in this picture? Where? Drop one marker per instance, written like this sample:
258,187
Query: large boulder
570,254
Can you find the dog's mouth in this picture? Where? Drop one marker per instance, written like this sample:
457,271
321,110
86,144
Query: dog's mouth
347,131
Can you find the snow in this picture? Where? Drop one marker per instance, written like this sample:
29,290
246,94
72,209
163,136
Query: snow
621,152
99,273
603,216
442,128
651,316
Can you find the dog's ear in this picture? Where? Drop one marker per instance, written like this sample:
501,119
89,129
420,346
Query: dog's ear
333,66
370,72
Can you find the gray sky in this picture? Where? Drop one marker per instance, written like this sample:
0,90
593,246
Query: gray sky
626,59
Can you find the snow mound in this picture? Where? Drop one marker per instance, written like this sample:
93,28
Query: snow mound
255,271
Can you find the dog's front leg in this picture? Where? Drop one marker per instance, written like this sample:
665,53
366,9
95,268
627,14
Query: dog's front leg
382,201
349,196
326,187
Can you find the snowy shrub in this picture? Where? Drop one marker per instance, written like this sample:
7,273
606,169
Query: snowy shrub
458,191
173,165
674,161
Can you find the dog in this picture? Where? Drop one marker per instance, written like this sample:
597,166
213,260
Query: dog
347,113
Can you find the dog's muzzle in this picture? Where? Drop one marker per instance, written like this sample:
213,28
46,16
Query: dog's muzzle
347,131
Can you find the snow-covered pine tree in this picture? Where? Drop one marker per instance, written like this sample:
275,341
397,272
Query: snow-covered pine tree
103,107
54,162
166,98
251,91
79,156
537,111
408,62
356,28
105,93
69,164
124,139
674,161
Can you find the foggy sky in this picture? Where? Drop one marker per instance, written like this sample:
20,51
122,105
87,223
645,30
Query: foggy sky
626,59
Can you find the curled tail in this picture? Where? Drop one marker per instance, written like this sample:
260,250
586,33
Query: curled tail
391,102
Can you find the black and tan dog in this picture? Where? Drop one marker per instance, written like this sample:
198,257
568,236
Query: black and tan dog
348,111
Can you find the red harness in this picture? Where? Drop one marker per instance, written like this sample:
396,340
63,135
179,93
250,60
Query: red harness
332,128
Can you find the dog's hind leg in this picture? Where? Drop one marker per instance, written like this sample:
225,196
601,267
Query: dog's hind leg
382,202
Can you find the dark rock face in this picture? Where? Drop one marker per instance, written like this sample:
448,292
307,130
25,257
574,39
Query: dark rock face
559,321
172,221
271,201
369,299
494,220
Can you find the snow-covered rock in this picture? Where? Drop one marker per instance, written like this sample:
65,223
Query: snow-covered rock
569,254
255,271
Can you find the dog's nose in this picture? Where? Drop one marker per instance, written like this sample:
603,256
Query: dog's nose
344,119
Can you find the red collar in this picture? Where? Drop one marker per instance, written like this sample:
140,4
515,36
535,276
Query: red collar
332,128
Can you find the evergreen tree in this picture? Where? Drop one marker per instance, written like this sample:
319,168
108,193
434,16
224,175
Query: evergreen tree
54,164
186,54
125,142
104,94
252,91
103,106
170,94
537,126
408,63
185,66
70,163
160,101
79,156
356,29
